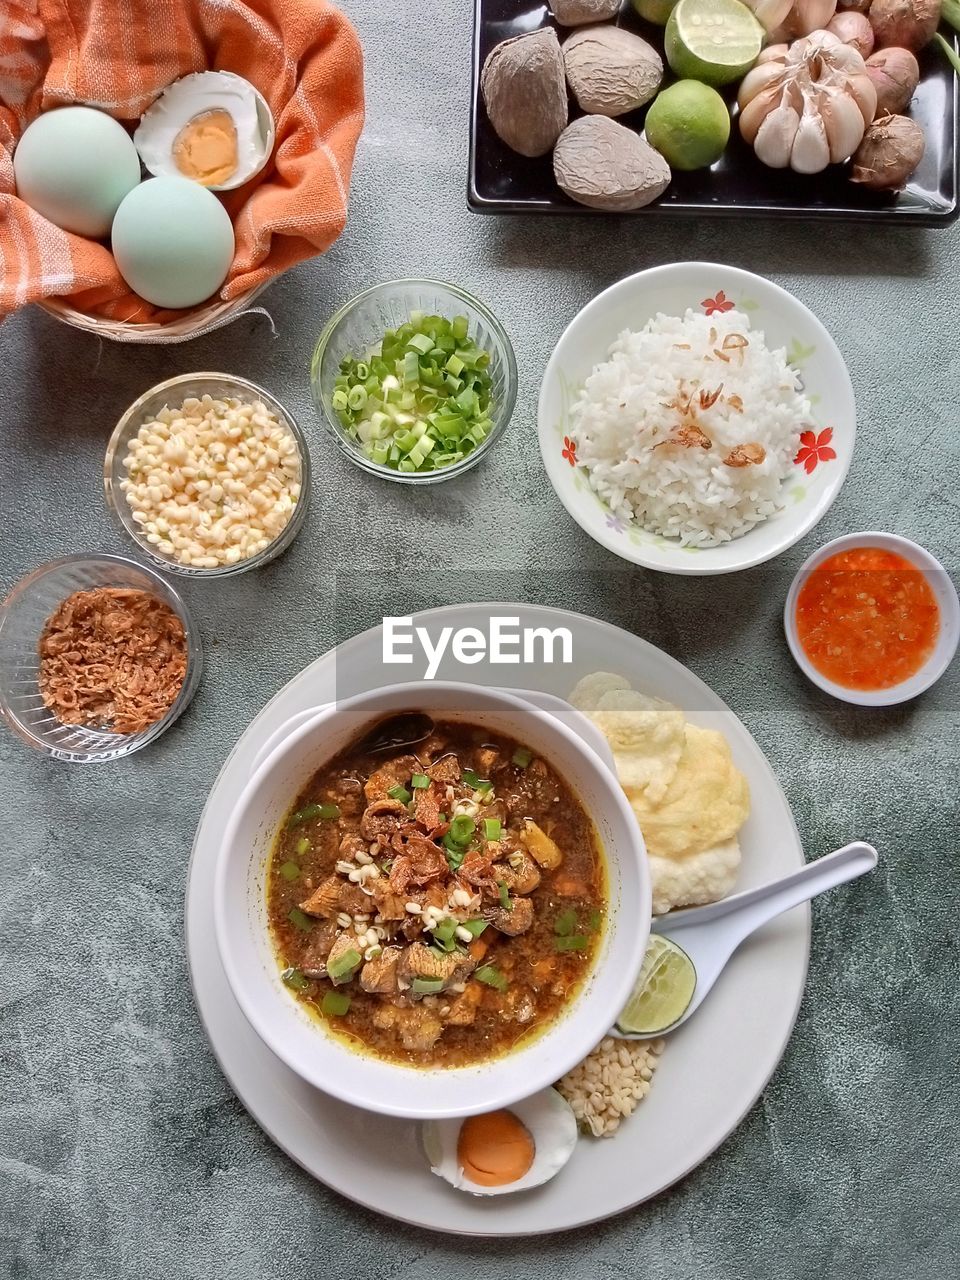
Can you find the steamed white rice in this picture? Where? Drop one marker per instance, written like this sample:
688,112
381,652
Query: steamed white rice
629,406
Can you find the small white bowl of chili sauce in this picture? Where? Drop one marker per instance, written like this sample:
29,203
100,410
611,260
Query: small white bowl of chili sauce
872,618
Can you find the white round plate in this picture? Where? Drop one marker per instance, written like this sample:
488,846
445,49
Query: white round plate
825,451
713,1069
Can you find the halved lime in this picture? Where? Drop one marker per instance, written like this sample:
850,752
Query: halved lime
663,990
716,41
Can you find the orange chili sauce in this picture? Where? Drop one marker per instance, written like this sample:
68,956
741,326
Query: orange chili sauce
867,618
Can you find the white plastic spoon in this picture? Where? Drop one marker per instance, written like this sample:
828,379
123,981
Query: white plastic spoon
710,935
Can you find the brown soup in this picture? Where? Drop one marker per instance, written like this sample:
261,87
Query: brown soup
438,902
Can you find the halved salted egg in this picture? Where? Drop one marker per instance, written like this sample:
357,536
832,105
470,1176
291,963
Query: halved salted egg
213,127
500,1151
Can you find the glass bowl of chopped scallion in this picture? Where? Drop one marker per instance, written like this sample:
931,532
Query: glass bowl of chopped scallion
416,379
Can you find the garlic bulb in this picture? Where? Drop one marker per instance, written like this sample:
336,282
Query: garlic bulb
804,17
807,105
770,13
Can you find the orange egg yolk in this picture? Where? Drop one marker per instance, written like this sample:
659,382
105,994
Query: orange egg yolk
495,1149
867,618
205,149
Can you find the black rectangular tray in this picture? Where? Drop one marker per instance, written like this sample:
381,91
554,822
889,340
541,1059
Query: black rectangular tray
501,181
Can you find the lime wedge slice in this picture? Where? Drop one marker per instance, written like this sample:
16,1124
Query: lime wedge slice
663,990
716,41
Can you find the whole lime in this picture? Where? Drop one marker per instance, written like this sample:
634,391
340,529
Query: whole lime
689,125
657,11
716,41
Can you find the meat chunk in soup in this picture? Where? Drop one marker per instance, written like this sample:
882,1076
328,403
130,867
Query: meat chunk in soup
382,818
392,774
512,920
457,916
313,962
419,961
325,899
419,1028
379,975
519,873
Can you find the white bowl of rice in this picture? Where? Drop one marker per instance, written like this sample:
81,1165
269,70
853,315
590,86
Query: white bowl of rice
696,418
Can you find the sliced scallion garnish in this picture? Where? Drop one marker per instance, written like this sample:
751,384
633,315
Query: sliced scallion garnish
422,400
295,980
572,942
491,976
335,1004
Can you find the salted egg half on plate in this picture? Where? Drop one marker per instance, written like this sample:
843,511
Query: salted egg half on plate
213,127
510,1150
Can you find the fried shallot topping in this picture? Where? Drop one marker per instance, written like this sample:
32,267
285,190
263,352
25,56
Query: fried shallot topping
732,343
113,658
745,455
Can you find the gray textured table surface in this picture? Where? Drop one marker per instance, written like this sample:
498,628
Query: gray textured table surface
122,1150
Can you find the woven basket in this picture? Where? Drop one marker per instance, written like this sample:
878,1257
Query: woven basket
201,320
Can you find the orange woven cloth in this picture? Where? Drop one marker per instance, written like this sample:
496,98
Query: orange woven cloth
303,56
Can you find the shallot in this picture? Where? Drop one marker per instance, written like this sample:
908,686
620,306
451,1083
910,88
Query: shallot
853,29
889,154
895,74
904,24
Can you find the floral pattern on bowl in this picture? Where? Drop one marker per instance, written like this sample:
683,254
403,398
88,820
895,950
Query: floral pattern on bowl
825,449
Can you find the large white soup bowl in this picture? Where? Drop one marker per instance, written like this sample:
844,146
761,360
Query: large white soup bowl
571,745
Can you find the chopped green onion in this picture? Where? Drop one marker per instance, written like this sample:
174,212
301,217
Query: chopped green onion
429,372
344,964
565,923
455,852
426,986
594,920
504,893
491,976
290,871
476,927
445,930
335,1004
306,814
470,779
491,828
420,342
419,781
462,828
401,794
296,980
299,919
522,757
572,942
328,811
303,846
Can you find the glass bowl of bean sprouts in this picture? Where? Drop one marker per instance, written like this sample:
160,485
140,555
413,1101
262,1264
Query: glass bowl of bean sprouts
208,474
